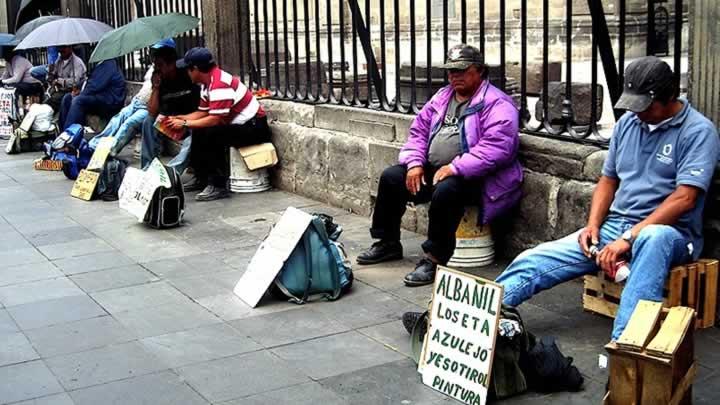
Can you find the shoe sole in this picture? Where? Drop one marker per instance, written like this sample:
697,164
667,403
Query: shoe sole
212,198
410,283
383,259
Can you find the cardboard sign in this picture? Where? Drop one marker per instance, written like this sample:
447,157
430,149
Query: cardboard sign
138,188
259,156
271,255
85,185
7,111
162,126
48,165
458,349
97,161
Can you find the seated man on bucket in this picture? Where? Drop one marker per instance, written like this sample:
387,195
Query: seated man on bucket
229,115
462,150
647,206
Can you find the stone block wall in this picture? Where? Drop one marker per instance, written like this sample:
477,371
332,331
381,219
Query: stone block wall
336,154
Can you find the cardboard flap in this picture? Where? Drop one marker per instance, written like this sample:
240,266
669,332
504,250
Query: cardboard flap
271,255
259,156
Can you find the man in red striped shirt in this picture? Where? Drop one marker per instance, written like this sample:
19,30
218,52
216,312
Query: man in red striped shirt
228,116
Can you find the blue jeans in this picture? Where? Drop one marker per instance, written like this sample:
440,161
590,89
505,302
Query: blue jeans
39,72
152,146
655,250
123,125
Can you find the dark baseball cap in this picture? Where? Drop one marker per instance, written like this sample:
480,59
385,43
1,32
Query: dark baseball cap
644,78
200,57
463,56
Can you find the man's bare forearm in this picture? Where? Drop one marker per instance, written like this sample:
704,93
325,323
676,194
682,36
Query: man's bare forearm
603,197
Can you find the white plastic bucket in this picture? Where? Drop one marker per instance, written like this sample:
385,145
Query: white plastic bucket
475,246
243,180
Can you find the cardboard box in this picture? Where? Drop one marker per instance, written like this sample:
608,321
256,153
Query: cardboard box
259,156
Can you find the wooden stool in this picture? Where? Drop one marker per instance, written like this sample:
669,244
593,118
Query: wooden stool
693,285
653,361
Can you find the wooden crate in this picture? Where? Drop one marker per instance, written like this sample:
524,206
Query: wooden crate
653,360
693,285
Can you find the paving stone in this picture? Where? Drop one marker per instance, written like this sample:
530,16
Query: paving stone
162,319
75,248
191,266
15,348
229,307
7,324
78,336
55,311
30,228
238,376
111,363
297,325
392,334
319,358
93,262
310,393
113,278
199,345
164,388
393,383
57,399
20,256
28,272
12,240
139,296
366,310
77,234
41,290
208,285
26,381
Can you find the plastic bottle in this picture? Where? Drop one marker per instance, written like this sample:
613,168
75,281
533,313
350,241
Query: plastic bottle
621,269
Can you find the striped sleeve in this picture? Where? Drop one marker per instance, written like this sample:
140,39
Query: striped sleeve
204,102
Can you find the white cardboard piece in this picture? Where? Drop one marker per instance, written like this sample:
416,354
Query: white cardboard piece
138,187
458,349
271,255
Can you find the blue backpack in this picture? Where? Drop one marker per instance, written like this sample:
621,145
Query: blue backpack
317,266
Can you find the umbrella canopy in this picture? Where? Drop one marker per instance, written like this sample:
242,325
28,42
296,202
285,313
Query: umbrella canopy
142,33
30,26
66,31
7,40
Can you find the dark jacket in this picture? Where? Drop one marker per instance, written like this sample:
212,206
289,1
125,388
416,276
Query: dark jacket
107,82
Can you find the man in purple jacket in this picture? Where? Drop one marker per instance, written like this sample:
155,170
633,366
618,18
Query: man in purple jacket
462,150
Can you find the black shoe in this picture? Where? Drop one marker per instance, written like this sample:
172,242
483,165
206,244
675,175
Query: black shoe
409,319
382,251
423,274
211,193
194,185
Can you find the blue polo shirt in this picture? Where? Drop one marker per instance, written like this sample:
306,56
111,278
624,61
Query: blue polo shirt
650,166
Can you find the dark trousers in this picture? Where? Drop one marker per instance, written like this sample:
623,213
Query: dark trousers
447,206
209,149
74,109
27,89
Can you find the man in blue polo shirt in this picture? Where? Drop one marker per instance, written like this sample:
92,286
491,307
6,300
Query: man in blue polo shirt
647,207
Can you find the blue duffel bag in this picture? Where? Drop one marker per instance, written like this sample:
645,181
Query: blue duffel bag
317,266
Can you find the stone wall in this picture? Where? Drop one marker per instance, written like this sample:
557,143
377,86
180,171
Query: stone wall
335,155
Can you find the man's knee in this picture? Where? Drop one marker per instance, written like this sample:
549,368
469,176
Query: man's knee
447,191
393,176
656,234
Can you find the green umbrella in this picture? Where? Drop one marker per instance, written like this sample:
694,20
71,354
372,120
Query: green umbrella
141,33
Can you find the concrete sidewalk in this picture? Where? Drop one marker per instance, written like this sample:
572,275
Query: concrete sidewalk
98,309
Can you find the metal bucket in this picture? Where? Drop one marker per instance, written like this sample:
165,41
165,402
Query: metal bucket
475,246
243,180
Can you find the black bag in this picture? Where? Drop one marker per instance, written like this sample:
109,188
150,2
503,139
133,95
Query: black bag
167,206
548,370
111,179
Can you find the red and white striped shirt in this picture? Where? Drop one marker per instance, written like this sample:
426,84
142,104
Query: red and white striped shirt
228,96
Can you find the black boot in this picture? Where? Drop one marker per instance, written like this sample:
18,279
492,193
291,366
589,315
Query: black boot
423,274
382,251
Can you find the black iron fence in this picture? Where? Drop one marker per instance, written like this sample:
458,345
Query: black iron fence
562,60
120,12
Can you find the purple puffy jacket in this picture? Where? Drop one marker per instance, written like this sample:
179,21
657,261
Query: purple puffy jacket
490,139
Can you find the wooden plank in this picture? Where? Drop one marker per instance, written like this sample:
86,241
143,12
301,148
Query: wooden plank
656,383
675,286
641,325
599,306
710,298
684,385
607,287
692,286
623,383
672,332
